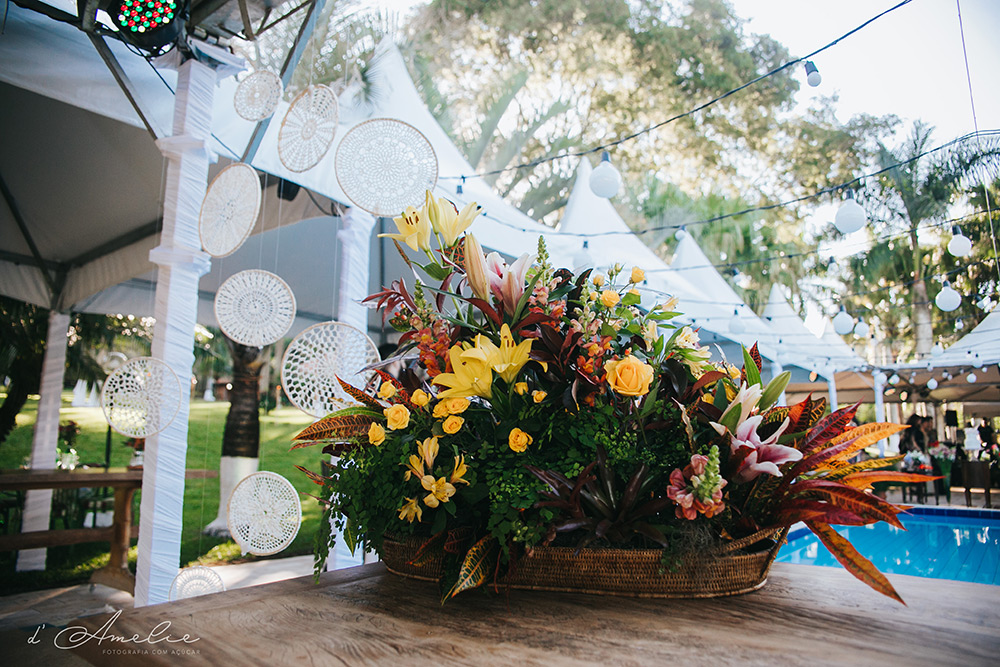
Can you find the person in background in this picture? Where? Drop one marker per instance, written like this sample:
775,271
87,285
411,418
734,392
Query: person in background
972,443
913,439
987,435
930,433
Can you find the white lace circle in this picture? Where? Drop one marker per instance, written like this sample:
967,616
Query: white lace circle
384,165
229,210
258,95
317,357
194,581
264,513
308,128
254,307
141,398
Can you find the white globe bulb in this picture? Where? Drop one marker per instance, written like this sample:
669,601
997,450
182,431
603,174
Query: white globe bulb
960,245
932,384
894,379
948,299
971,378
937,350
850,218
605,180
843,323
814,79
861,329
681,234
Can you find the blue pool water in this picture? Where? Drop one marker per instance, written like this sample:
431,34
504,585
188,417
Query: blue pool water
948,544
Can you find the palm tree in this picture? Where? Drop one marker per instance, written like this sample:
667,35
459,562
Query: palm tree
916,188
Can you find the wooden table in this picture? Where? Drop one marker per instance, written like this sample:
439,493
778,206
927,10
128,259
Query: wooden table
805,615
121,531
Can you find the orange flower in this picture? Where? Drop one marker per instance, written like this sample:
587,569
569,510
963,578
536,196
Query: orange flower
518,440
452,424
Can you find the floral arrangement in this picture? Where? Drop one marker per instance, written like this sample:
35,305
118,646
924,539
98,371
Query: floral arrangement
940,450
546,407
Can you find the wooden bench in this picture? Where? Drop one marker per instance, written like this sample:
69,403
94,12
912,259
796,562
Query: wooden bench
120,533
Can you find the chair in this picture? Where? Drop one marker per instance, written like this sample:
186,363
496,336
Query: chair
976,474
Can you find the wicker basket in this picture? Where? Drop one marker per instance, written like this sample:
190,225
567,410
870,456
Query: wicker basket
630,572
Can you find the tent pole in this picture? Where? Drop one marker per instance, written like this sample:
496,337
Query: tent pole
181,263
38,502
831,385
880,378
355,238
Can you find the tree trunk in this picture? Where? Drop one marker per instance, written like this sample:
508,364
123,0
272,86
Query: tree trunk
923,330
25,377
241,436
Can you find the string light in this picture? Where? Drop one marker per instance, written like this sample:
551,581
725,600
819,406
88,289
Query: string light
948,299
605,180
861,329
813,77
932,384
681,233
959,245
843,323
850,217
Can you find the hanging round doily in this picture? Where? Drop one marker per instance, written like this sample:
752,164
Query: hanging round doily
308,128
254,307
229,210
141,398
317,357
264,513
384,165
258,95
194,581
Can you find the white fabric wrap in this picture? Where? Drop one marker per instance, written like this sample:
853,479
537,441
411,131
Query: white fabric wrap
38,502
181,264
879,382
355,238
831,385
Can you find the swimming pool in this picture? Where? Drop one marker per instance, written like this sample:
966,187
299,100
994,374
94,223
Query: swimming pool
963,545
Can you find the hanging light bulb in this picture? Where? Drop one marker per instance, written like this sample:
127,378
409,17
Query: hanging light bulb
605,179
932,384
959,324
861,329
948,299
946,375
903,395
813,77
937,350
894,379
843,323
983,369
461,186
813,375
971,378
959,245
851,217
681,233
736,324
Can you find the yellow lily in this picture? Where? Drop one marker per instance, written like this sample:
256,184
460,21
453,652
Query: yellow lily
447,220
411,510
414,229
440,490
415,466
472,372
459,472
510,358
428,451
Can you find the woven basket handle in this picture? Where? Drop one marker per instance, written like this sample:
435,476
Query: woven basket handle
751,539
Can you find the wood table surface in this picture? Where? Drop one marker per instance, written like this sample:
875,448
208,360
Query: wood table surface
805,615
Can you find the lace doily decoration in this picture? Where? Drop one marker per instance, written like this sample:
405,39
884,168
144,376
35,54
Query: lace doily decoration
254,307
258,95
141,398
264,513
229,210
384,165
308,128
194,581
317,357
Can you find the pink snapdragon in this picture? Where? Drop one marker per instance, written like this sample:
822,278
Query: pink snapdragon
698,488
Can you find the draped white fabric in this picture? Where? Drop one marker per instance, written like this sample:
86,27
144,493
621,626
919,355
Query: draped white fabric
181,264
38,502
355,238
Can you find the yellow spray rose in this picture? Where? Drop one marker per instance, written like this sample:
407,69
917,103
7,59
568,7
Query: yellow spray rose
638,275
610,298
538,396
420,398
440,410
397,417
518,440
598,280
387,391
628,376
452,424
456,406
376,434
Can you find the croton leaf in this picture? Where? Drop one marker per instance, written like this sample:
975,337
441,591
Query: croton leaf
404,395
751,366
478,563
315,477
339,425
829,427
803,416
863,480
360,396
853,561
864,505
870,464
430,548
863,436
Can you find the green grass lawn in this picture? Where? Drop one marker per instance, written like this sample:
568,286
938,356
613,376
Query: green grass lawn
70,565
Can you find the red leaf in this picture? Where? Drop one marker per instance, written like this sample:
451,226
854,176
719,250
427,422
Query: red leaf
829,427
852,561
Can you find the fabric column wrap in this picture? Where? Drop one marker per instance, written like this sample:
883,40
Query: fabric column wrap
355,238
831,385
181,264
879,378
38,502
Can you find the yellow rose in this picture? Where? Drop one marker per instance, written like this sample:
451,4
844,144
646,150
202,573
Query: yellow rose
519,440
397,417
598,280
387,391
521,388
629,376
609,298
420,398
457,406
593,296
538,396
452,424
440,410
376,434
638,275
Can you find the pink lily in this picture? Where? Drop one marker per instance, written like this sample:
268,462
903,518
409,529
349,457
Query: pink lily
507,282
765,455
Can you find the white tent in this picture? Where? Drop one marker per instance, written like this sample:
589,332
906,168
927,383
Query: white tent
979,347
